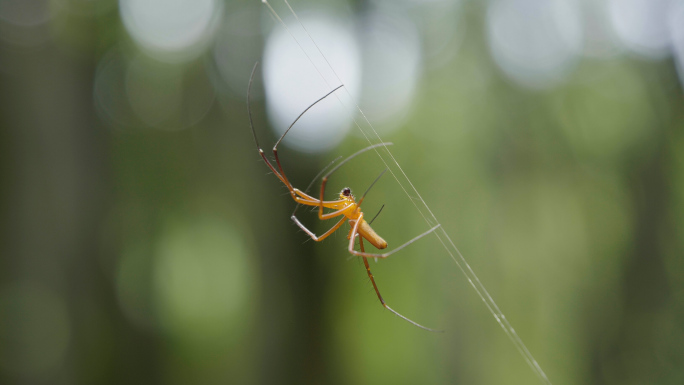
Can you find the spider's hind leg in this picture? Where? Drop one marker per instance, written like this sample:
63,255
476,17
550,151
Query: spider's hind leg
382,301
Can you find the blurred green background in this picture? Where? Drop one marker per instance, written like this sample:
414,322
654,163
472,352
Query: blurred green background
145,242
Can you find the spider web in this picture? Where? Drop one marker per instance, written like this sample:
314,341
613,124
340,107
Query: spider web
332,79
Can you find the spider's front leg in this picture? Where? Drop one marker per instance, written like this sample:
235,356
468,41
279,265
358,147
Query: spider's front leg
311,233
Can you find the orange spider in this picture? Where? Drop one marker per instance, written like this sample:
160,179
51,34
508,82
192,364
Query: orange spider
346,206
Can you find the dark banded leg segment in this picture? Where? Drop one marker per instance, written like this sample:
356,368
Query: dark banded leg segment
382,301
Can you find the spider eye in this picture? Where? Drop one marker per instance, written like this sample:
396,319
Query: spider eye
346,191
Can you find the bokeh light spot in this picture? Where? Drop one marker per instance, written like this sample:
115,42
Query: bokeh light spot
392,67
292,83
600,39
237,47
203,281
642,25
145,92
22,21
109,89
170,29
676,29
154,91
609,116
534,42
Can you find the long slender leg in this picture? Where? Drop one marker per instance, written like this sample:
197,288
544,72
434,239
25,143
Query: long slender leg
327,233
324,181
382,301
275,147
334,213
306,191
308,200
336,205
256,140
355,233
329,215
371,186
376,215
322,237
295,193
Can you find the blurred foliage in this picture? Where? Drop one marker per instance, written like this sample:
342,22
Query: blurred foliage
144,241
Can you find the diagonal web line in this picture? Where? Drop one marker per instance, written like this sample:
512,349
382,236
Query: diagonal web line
383,152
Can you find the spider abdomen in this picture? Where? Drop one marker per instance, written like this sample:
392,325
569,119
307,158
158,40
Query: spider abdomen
371,236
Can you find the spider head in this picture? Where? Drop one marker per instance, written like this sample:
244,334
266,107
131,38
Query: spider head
345,193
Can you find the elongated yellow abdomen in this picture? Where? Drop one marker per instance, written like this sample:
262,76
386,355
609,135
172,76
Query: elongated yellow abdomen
371,236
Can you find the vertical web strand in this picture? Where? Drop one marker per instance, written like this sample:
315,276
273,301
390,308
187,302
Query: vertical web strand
384,153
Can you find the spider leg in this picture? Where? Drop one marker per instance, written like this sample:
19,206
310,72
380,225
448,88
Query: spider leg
324,181
306,191
295,193
327,204
370,187
376,215
275,147
355,233
256,140
382,301
325,235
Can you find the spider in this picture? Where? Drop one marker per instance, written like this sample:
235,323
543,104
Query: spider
346,206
